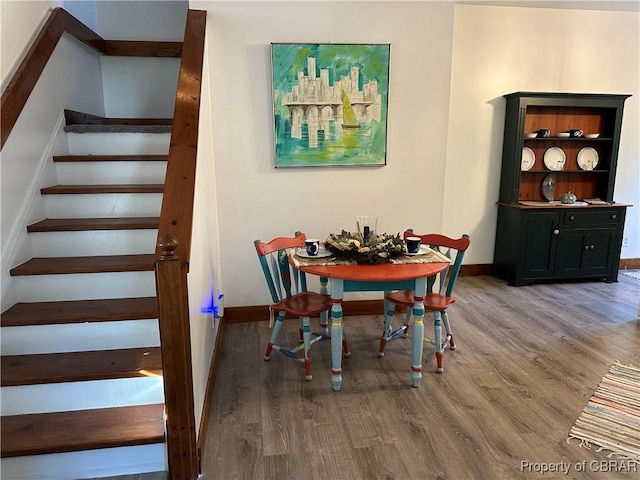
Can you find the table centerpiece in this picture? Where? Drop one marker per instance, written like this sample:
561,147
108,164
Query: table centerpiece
379,248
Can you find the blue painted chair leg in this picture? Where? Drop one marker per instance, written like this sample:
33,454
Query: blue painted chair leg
274,335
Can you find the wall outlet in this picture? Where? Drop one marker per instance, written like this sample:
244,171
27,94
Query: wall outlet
625,241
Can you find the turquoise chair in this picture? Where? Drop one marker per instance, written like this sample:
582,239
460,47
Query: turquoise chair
439,296
288,288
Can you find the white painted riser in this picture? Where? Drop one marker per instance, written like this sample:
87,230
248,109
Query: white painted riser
98,173
77,337
118,144
103,205
94,242
58,397
87,464
85,286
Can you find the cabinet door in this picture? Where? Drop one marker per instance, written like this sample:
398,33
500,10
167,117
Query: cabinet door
602,251
542,234
573,248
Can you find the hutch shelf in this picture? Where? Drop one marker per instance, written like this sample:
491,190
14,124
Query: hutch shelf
538,237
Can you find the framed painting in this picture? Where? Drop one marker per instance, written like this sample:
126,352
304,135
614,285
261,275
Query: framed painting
330,104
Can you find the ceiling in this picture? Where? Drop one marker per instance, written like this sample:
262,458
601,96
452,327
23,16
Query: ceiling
611,5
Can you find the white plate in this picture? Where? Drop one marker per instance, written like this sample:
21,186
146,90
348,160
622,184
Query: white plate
591,135
587,158
563,135
528,159
549,186
423,250
322,253
554,159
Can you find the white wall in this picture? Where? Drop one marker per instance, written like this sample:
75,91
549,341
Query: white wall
448,74
21,22
139,86
258,201
499,50
204,280
70,80
141,20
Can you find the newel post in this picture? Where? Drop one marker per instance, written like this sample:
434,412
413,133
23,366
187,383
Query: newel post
173,318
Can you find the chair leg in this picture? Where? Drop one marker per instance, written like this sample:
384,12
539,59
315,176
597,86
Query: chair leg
408,320
437,327
389,311
447,327
306,334
274,335
345,346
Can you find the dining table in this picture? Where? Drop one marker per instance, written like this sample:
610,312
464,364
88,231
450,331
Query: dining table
403,273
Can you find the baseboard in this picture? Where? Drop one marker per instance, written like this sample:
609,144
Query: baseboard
630,264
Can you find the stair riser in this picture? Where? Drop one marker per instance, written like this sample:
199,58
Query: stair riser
99,173
87,464
60,397
86,286
118,144
93,242
76,337
103,205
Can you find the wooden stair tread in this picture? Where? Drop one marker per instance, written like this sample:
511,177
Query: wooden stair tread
85,224
35,369
42,433
96,264
80,311
110,158
113,188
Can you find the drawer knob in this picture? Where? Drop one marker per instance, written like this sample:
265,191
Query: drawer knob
586,247
592,247
614,216
572,217
556,231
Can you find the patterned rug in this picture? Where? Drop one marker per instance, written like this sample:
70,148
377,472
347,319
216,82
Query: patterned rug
631,273
611,419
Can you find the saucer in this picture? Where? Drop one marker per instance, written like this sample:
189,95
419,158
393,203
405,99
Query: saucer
322,253
423,250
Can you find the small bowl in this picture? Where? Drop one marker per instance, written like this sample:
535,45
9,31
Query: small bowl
563,135
591,135
531,135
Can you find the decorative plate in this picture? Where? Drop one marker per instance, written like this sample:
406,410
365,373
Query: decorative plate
528,159
549,186
554,159
322,253
587,158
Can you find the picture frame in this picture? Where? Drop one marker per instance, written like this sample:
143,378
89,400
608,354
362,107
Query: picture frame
330,104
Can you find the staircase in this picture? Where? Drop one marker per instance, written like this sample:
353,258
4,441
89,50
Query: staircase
81,378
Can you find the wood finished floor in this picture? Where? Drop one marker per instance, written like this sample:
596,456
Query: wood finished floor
528,360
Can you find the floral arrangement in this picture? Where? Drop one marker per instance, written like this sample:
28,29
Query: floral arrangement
379,248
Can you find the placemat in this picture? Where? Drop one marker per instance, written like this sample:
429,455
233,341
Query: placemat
431,256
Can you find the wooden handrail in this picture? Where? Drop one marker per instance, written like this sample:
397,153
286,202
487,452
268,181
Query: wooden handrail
176,217
59,22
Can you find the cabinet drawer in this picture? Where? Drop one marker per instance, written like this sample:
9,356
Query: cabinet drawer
591,217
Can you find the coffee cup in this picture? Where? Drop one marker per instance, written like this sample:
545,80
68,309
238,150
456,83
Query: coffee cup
312,246
543,133
413,244
575,133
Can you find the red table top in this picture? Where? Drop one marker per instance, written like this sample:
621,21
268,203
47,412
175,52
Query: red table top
383,272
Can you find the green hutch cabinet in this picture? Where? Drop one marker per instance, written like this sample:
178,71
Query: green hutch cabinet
537,236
